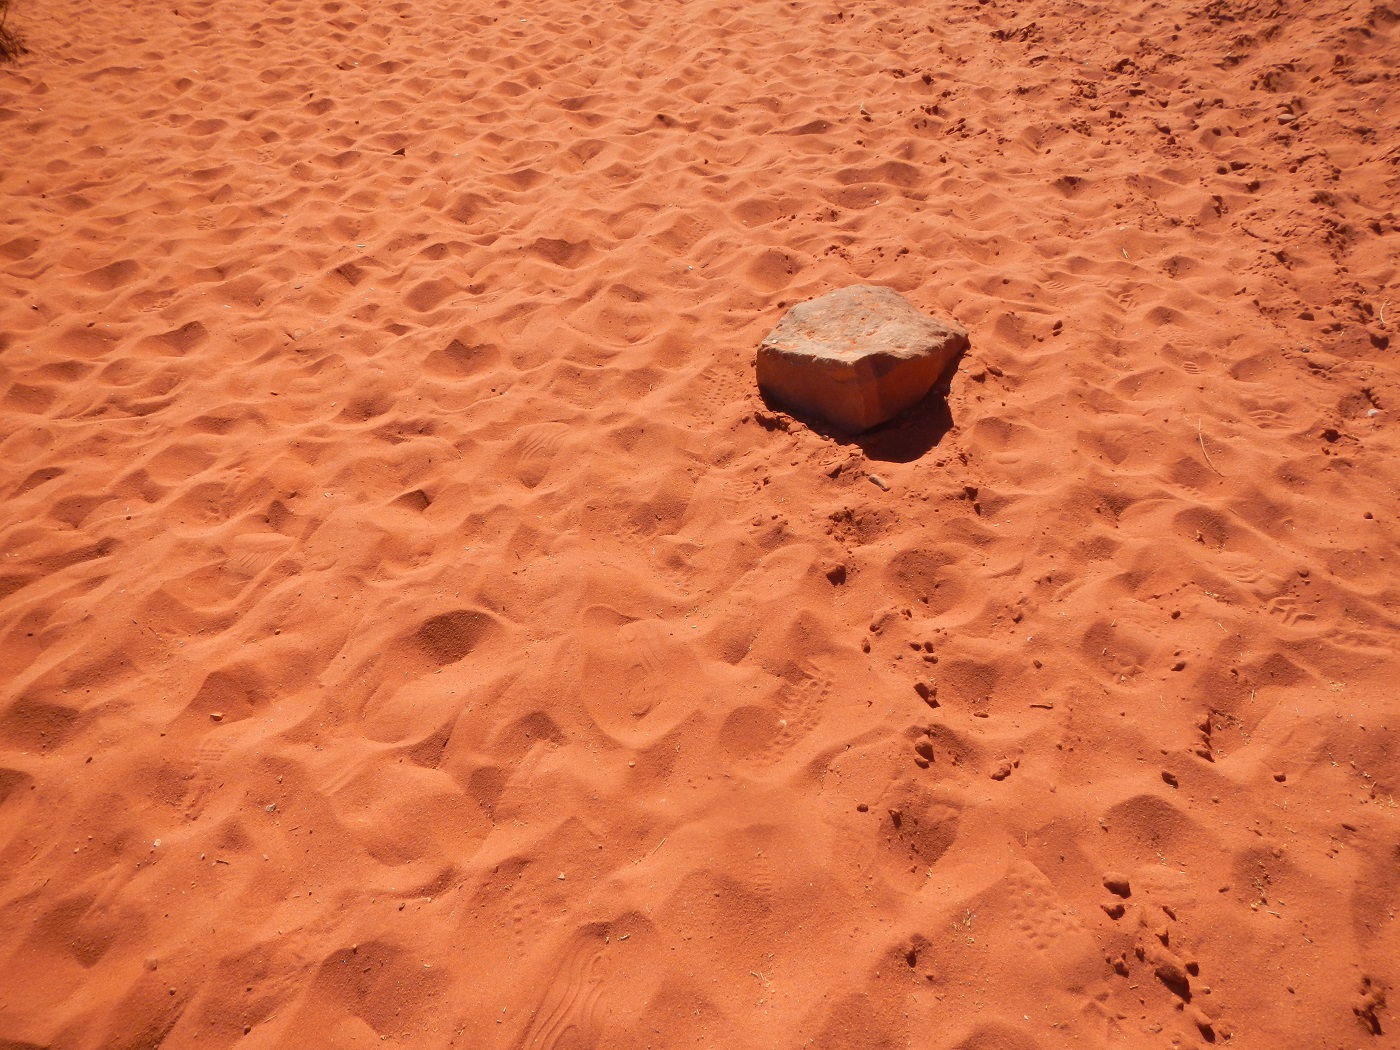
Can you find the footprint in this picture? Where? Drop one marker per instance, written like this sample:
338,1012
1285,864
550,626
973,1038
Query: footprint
732,502
251,555
536,451
718,387
206,761
522,919
567,1011
1248,573
153,302
1285,607
761,875
797,709
1043,919
1267,419
646,679
1352,638
649,643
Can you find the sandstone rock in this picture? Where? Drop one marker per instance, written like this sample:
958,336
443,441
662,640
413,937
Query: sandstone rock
856,357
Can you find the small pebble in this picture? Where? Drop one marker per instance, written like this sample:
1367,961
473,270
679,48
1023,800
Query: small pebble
1171,972
879,482
1118,884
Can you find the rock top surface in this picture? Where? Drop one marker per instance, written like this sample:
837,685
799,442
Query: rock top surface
856,357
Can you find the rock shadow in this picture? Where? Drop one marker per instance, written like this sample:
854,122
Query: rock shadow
902,439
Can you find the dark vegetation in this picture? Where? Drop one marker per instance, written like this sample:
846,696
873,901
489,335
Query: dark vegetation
11,46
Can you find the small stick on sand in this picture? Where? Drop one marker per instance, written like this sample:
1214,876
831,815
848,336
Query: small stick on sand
1383,306
1202,440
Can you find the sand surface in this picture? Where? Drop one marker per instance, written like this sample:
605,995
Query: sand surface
415,630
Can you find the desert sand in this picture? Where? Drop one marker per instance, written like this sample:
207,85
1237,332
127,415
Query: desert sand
416,630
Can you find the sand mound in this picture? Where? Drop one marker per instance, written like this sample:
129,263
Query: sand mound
414,628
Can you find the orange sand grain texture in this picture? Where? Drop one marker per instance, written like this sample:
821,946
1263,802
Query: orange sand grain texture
415,630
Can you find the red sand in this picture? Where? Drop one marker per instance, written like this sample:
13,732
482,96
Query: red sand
416,631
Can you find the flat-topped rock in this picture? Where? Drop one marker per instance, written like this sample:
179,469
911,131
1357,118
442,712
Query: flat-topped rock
856,357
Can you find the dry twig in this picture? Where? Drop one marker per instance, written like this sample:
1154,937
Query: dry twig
1202,440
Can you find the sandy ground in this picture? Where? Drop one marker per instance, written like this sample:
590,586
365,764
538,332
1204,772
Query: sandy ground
415,630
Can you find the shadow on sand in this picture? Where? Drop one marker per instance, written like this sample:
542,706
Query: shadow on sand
903,439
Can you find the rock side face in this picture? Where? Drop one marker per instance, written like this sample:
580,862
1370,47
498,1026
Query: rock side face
855,357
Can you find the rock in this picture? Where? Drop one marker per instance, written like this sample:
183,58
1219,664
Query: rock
1203,1023
1171,973
856,357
